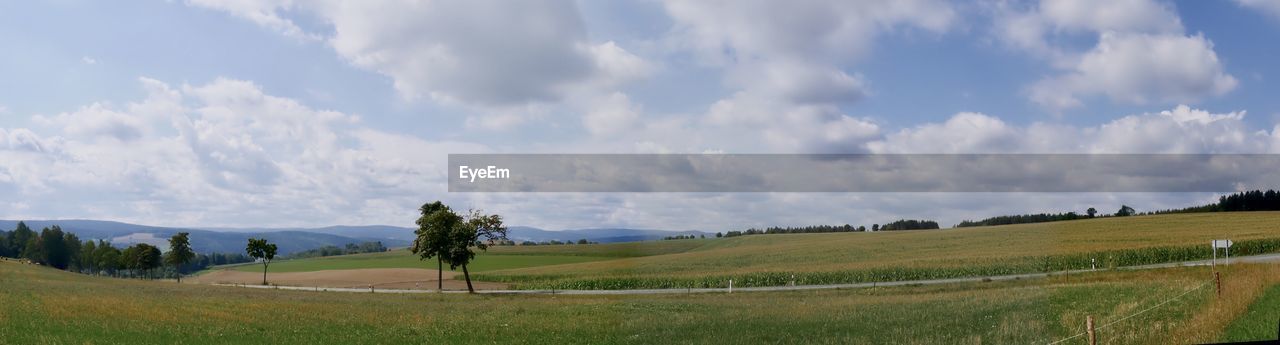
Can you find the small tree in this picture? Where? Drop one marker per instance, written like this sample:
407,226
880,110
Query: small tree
480,231
1091,211
583,241
180,252
434,227
260,249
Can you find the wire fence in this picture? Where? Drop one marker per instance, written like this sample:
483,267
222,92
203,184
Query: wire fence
1157,305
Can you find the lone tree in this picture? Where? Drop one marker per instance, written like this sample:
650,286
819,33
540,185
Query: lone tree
1091,211
1125,211
258,248
434,227
180,252
478,230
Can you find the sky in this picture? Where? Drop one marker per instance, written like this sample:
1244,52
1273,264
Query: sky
282,113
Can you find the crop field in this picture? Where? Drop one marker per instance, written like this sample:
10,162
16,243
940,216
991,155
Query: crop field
405,259
764,260
40,305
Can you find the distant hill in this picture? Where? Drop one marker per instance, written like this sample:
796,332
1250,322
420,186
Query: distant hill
290,240
202,240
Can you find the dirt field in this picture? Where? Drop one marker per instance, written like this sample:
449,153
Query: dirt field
382,278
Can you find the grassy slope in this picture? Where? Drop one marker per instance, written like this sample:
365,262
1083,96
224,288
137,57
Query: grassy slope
40,305
1012,247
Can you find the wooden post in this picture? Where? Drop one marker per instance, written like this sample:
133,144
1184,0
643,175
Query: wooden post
1093,336
730,285
1217,280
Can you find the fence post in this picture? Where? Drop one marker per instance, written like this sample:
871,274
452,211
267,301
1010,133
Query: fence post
1093,336
730,285
1217,280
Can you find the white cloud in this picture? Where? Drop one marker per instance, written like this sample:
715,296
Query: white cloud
1179,130
261,12
88,60
1138,69
221,153
1141,55
1270,7
615,113
789,63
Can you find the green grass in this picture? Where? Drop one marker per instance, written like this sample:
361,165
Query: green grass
404,259
762,260
1260,322
41,305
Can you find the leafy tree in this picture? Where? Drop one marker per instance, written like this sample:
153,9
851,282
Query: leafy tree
18,239
51,248
583,241
71,245
87,258
4,244
719,235
478,230
1091,211
1125,211
875,227
259,248
141,257
180,253
435,225
106,257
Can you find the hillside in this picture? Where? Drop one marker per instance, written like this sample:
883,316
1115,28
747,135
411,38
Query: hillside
880,256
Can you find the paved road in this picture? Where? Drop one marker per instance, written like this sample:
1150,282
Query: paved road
1243,259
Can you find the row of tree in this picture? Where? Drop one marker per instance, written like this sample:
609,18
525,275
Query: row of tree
909,224
682,237
63,250
543,243
1255,200
449,237
349,248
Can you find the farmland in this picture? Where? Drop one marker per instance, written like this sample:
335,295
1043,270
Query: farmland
404,259
762,260
41,305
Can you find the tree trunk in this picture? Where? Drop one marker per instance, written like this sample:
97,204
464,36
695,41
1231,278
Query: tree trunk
468,276
264,273
439,273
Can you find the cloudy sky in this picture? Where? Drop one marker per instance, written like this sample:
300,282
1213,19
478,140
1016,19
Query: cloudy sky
302,113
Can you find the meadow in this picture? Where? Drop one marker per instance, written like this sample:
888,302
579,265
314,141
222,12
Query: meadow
41,305
765,260
404,259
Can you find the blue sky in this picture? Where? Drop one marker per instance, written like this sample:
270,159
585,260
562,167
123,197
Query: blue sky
276,113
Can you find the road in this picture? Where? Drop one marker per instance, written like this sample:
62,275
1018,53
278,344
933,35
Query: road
1243,259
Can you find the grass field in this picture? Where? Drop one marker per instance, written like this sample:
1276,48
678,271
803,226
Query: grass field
41,305
762,260
1261,321
404,259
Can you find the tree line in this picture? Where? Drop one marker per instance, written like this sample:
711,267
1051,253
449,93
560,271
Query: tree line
331,250
64,250
449,237
904,224
1254,200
